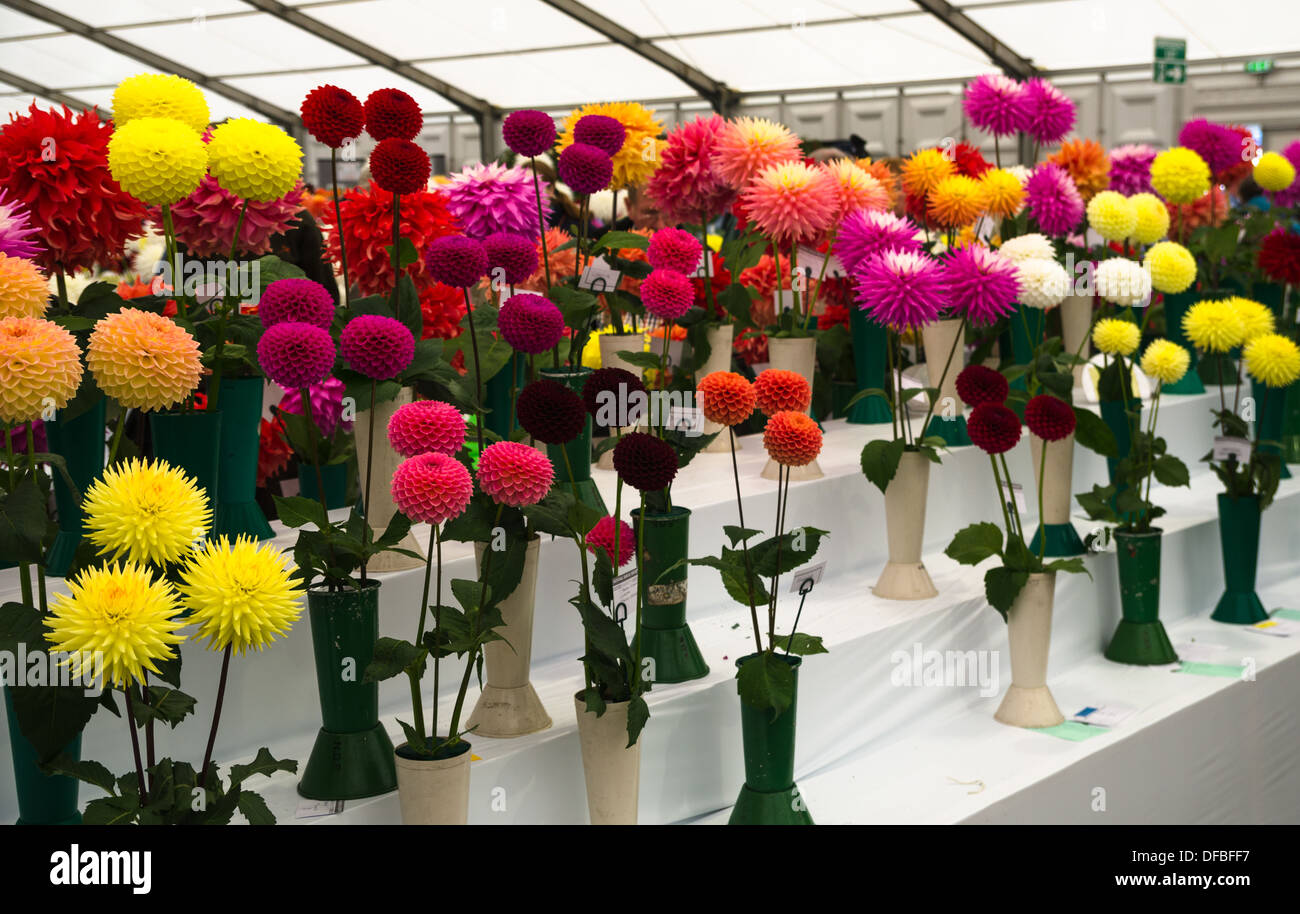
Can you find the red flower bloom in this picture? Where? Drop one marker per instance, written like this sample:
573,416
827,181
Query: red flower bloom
1050,418
970,161
720,278
1279,256
399,166
978,384
333,115
392,113
442,306
792,439
834,315
751,347
993,428
779,391
273,451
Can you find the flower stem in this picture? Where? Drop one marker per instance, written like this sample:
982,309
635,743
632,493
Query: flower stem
1042,524
216,713
135,745
437,628
740,510
370,460
338,227
478,374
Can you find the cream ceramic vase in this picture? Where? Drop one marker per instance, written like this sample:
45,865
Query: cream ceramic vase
434,791
1028,702
797,354
904,576
720,340
611,344
1076,319
612,771
386,462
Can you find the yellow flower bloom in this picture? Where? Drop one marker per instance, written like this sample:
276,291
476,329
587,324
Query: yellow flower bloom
1116,337
121,612
1152,218
1274,172
1256,317
1001,192
1214,326
147,512
40,368
160,95
23,289
254,161
1272,359
144,360
639,157
955,201
1113,215
1180,175
1172,267
924,169
1166,361
157,159
241,594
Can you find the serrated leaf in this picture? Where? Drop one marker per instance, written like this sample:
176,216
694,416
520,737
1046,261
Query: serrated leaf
766,683
87,770
972,545
253,807
264,764
880,461
800,644
1002,586
1091,431
638,712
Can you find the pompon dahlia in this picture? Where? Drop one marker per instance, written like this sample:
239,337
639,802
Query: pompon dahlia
1214,325
146,512
924,169
295,355
205,220
864,234
1272,359
686,187
637,161
674,249
1152,218
391,113
550,412
253,160
791,202
993,428
160,95
601,536
982,285
1166,361
530,323
1034,246
1291,195
1048,417
1086,163
513,255
1122,281
1043,283
1001,193
1130,168
994,103
1180,175
528,132
493,198
514,474
792,439
1172,267
81,214
143,360
1218,145
1279,256
727,398
855,188
601,131
16,229
1116,336
584,168
157,160
955,201
560,263
1053,200
242,595
978,384
432,488
426,427
326,400
777,390
749,145
441,309
1048,112
333,115
376,346
24,291
900,289
399,166
39,361
456,260
1112,215
1274,172
1256,317
645,462
606,390
295,299
667,294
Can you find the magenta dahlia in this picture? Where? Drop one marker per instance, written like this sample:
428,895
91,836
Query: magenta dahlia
667,294
1220,146
530,323
685,186
674,249
585,168
994,103
493,198
982,284
529,132
901,289
456,260
1289,196
1048,112
605,133
294,354
865,233
1053,200
513,254
295,299
376,346
1130,168
16,229
326,405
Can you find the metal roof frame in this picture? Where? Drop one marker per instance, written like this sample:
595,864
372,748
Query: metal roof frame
54,95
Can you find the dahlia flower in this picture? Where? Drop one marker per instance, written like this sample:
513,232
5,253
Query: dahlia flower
376,346
1123,282
1053,200
1152,218
157,160
24,291
901,289
332,115
993,428
924,169
550,411
1172,267
855,188
1214,325
1180,175
601,536
511,258
1001,193
792,439
866,233
1272,359
528,132
955,201
1033,246
241,595
254,161
146,512
1086,163
981,284
1274,172
727,398
142,359
1130,168
637,161
326,399
978,384
994,103
530,323
493,198
791,202
160,95
16,229
560,263
1219,146
674,249
295,299
399,166
778,390
1165,361
748,145
1256,317
40,365
645,462
1048,112
294,354
205,220
1043,283
392,114
1288,197
686,187
1279,256
514,474
1112,215
1213,209
432,488
1049,418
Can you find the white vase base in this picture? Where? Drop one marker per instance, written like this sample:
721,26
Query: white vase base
1033,708
507,713
797,474
904,581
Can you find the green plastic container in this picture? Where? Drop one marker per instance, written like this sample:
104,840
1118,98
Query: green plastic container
1117,418
191,442
579,449
1175,308
1062,541
770,796
1291,431
499,396
1239,541
1270,414
353,756
665,636
870,365
335,477
237,512
80,442
42,799
1141,637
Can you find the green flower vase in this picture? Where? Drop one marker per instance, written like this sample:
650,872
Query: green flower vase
1141,638
191,442
665,636
80,442
1270,415
500,395
1117,419
237,512
1239,541
770,796
335,478
575,472
870,365
42,800
1175,309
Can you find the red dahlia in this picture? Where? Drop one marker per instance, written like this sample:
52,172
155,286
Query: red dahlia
1279,256
993,428
333,115
399,166
392,114
1050,418
645,462
550,412
978,384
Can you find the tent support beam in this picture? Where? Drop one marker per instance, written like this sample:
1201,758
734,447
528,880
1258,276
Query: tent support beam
53,95
1010,62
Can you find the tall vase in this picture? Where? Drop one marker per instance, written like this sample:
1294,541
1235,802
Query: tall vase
1270,413
797,354
335,477
42,800
665,636
433,791
949,419
1028,702
904,576
352,756
236,512
611,768
1141,637
1116,416
612,344
1176,306
508,705
770,796
720,338
191,442
80,442
871,368
572,461
1239,542
500,393
1057,485
381,510
1076,319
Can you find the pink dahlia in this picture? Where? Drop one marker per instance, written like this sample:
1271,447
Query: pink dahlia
1048,112
16,230
376,346
791,202
601,536
1053,200
667,294
295,354
530,323
866,233
1220,146
748,145
432,488
685,186
456,260
426,427
901,289
529,132
1130,168
981,284
514,255
674,249
295,299
493,198
855,188
514,474
326,405
995,104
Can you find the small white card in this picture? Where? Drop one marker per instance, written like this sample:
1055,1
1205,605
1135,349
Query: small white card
1200,651
625,593
599,276
1108,715
809,573
1226,447
289,486
314,809
699,272
813,259
686,419
1279,628
1016,495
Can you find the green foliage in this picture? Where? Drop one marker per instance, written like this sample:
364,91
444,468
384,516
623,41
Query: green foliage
334,551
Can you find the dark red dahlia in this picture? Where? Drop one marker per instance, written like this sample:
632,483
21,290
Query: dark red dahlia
978,384
1050,418
1279,256
618,383
333,115
529,132
399,166
513,254
585,168
392,114
456,260
645,462
993,428
550,412
605,133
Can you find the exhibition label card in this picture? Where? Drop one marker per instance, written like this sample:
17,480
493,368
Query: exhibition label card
1222,670
1108,715
314,809
1071,730
1280,628
625,593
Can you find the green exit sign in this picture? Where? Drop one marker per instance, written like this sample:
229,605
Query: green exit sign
1171,60
1259,66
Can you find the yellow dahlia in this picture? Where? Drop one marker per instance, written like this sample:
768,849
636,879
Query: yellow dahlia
23,289
147,512
144,360
1274,172
1214,325
1180,175
1272,359
1114,336
241,595
1166,361
639,157
924,169
955,201
160,95
1256,317
157,159
1001,193
40,369
254,161
1113,215
1172,267
123,614
1152,218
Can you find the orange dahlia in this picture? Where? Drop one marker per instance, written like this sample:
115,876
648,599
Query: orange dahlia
143,360
561,263
791,201
1086,163
747,145
23,290
727,398
955,201
855,187
40,368
882,173
777,390
924,169
792,439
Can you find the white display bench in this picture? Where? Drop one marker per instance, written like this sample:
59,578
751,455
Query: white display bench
851,718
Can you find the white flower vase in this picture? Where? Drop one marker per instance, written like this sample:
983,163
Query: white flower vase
720,340
797,354
612,770
904,576
948,420
1076,319
434,791
612,344
386,460
1028,702
1057,484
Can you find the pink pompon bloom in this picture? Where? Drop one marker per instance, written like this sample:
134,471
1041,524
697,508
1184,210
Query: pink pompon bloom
686,187
515,255
530,323
667,294
585,168
995,103
514,474
1220,146
493,198
376,346
748,145
16,230
432,488
602,537
326,405
864,234
901,289
605,133
982,284
426,427
295,298
674,249
456,260
1048,112
1130,168
791,202
294,354
1053,200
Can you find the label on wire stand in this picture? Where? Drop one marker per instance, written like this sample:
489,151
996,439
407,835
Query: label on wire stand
624,595
809,574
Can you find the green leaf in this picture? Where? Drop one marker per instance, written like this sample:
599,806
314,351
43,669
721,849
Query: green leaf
617,241
1002,586
763,556
738,534
1091,431
253,807
880,461
20,624
736,301
1097,504
264,764
1170,471
643,360
1072,565
864,394
111,811
22,523
406,253
391,657
168,705
469,594
766,683
801,644
51,716
295,511
638,712
972,545
87,770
